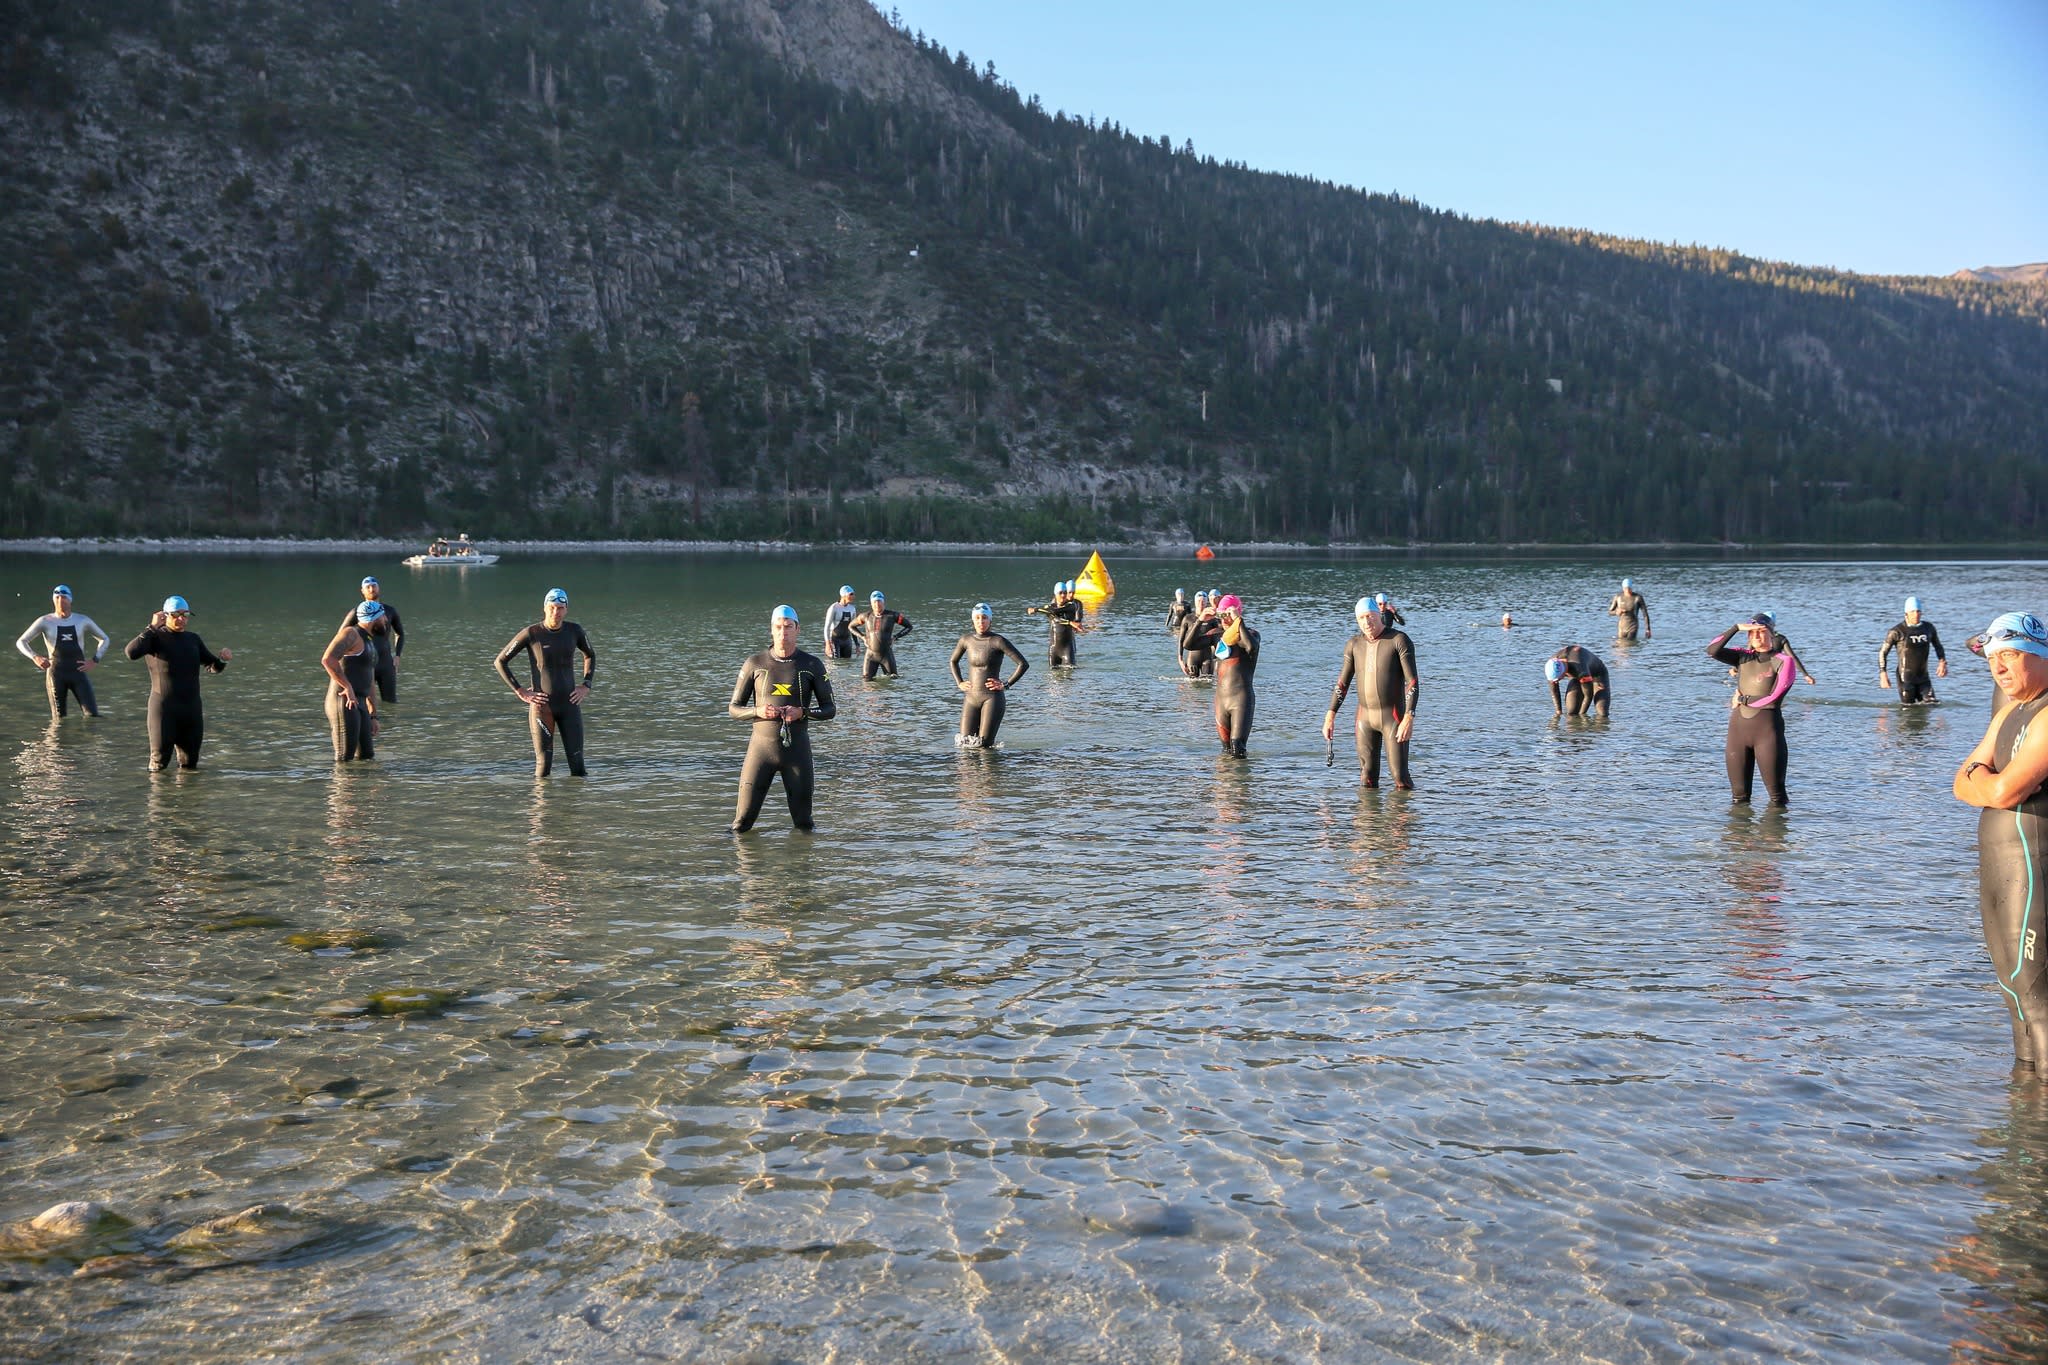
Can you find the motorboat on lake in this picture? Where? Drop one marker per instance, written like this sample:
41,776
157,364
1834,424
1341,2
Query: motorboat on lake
458,553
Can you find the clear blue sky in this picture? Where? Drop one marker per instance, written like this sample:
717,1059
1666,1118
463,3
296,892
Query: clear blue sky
1880,136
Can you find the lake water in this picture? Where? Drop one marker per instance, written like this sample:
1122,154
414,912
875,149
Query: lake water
1102,1047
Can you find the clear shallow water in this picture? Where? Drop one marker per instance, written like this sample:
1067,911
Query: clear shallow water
1101,1047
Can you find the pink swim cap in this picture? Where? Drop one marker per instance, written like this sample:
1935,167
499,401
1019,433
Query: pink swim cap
1231,602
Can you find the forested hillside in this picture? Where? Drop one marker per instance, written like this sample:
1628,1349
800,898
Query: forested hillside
742,267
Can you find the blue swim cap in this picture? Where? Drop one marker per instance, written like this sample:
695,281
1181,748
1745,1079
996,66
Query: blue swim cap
1912,604
176,603
1215,593
1180,594
785,612
1070,585
982,609
60,591
370,583
876,596
1627,585
1365,604
846,589
369,611
2016,630
555,595
1060,586
1554,670
1379,599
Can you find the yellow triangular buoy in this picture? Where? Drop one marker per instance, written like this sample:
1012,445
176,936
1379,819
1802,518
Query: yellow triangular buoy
1094,584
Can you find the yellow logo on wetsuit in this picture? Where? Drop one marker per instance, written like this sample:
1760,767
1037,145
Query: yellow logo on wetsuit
782,689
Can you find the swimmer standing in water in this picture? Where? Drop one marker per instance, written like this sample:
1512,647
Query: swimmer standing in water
981,710
387,637
878,629
1063,615
1626,605
780,691
1578,682
1236,649
2003,777
63,660
555,701
1196,660
1756,720
1383,662
1913,638
839,624
350,662
177,719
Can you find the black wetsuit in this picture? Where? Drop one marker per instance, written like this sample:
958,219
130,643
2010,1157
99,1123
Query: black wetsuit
981,711
353,726
552,655
879,631
1585,688
1176,614
1913,643
1756,734
64,644
838,633
2012,893
387,639
1063,617
1627,605
779,746
177,720
1388,687
1196,659
1236,700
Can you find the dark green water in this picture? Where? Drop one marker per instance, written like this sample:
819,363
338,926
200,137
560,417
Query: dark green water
1101,1047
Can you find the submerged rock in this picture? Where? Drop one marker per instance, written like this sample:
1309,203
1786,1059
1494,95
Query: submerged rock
78,1231
234,922
328,940
99,1083
421,1001
257,1233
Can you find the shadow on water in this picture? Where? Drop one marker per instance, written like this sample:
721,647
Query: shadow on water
2005,1258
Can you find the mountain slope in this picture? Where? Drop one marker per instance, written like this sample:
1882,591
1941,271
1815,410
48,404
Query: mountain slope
754,267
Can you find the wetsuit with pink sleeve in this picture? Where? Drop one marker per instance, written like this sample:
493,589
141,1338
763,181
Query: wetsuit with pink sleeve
1756,720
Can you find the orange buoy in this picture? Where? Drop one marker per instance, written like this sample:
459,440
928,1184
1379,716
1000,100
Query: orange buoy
1205,553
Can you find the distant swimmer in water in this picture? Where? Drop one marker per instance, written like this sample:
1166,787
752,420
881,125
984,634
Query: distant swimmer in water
2003,777
878,629
1913,638
176,654
1578,682
1389,613
555,700
1507,620
1627,605
1063,616
1236,649
1178,612
1382,661
387,640
65,667
839,618
1756,720
350,663
780,691
981,710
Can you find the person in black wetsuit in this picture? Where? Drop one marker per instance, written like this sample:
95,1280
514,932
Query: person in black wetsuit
1196,663
387,638
981,710
1236,649
1913,638
65,667
1756,720
1178,612
350,663
1625,606
1383,662
2003,777
839,624
1578,682
177,720
555,701
1063,616
780,691
878,629
1389,613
